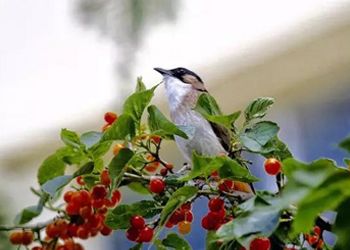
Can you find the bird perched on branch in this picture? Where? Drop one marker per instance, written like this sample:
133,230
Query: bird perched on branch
183,88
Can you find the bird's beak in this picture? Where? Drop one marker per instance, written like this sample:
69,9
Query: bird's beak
164,72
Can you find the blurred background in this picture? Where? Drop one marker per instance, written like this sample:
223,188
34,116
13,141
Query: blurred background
63,64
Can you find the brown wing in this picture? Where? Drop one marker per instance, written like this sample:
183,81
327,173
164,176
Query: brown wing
223,135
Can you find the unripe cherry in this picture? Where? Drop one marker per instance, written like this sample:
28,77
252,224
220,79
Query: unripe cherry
184,227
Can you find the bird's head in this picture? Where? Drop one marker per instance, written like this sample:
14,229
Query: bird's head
181,76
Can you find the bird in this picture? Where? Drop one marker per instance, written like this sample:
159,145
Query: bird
183,88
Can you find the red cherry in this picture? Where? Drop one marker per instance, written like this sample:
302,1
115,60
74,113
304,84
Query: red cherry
317,230
137,222
216,204
217,216
72,230
226,185
67,196
110,117
72,208
156,185
272,166
146,234
27,238
261,243
312,239
52,231
99,192
169,166
188,216
104,178
186,206
163,172
132,234
16,237
156,139
80,181
97,203
209,224
84,198
82,233
116,196
86,212
106,230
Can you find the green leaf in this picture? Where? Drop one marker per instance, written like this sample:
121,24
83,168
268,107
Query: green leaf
90,138
342,226
100,149
140,86
137,102
28,213
345,144
91,180
225,120
52,167
203,166
207,105
333,191
138,188
136,247
211,241
118,165
120,129
86,169
262,221
277,149
258,108
257,136
232,170
179,197
70,138
54,185
347,162
160,125
119,218
176,242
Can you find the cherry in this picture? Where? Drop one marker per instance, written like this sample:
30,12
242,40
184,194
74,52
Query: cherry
209,224
146,234
98,192
186,206
106,230
317,230
116,196
272,166
226,185
137,222
67,196
261,243
82,233
16,237
243,187
169,166
163,172
156,185
86,212
184,227
188,216
132,234
80,181
38,248
156,139
110,117
52,230
104,178
216,204
312,239
152,167
72,208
